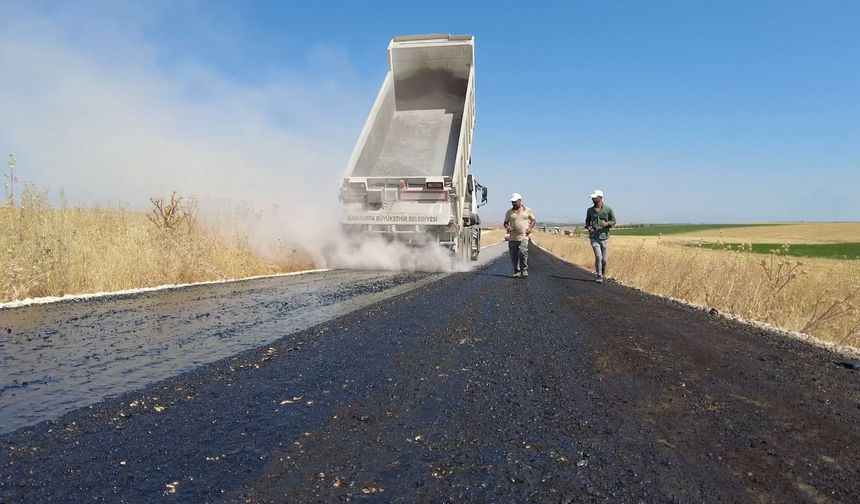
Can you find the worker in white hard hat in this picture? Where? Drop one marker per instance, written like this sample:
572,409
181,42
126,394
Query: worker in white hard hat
519,223
598,219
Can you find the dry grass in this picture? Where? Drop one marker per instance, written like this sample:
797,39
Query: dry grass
492,236
820,297
825,232
49,251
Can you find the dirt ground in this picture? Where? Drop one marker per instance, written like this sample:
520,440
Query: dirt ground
477,388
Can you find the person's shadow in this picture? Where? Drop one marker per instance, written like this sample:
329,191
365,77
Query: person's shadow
573,279
492,274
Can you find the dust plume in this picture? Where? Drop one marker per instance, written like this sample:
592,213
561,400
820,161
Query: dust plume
375,253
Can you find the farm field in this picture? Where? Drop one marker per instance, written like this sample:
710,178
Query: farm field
824,232
849,251
779,233
674,229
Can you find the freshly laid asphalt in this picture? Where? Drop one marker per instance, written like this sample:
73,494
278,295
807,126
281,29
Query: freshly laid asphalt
58,357
475,387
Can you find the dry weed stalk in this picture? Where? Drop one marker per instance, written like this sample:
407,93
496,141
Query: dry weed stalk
779,271
177,212
11,179
829,309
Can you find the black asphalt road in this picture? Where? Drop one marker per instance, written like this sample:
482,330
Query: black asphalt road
59,357
478,388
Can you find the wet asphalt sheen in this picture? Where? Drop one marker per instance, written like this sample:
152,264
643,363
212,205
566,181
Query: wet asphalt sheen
59,357
474,387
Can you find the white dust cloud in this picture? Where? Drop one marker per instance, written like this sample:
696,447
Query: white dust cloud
376,253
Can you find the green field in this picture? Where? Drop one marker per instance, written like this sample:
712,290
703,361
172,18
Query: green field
658,229
827,250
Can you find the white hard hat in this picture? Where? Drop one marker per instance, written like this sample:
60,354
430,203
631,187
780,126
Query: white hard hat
597,194
516,196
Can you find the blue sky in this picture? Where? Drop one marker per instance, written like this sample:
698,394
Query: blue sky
681,111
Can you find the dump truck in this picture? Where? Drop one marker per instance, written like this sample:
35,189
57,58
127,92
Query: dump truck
408,178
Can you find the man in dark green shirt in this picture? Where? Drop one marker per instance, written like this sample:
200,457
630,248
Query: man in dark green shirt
598,219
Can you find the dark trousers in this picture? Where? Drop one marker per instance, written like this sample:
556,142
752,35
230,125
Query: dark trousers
519,251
